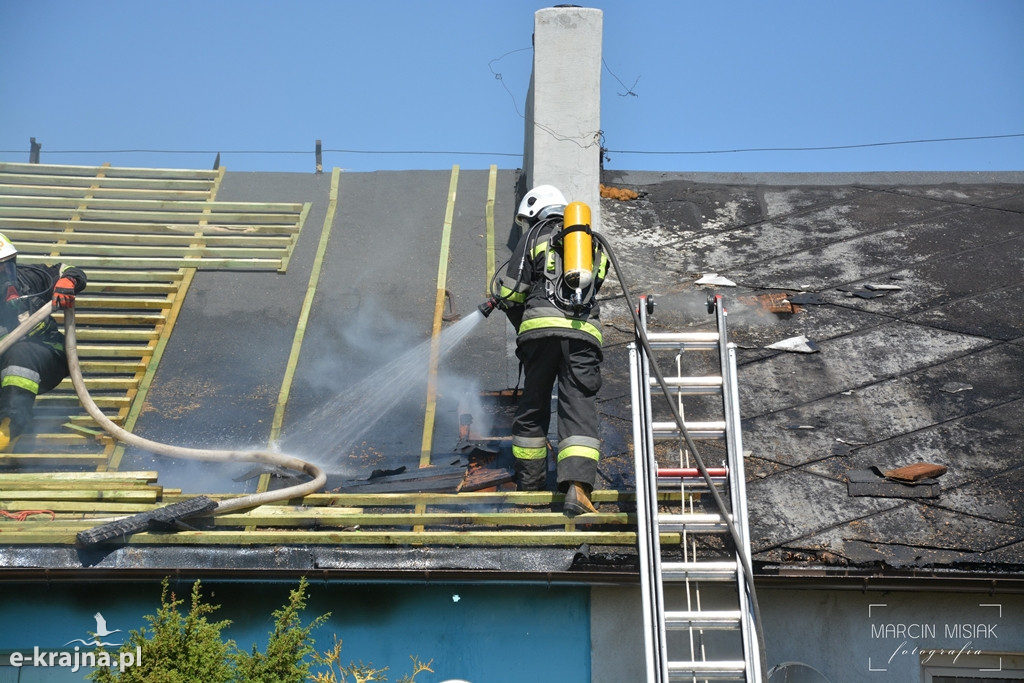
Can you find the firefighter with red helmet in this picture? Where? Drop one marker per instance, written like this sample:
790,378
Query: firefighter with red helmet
37,362
548,293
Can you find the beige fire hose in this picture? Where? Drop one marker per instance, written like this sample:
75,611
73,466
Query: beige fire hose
123,435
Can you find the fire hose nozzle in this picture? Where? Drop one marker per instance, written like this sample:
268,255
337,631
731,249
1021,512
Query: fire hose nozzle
487,307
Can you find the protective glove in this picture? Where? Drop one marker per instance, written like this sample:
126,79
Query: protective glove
64,293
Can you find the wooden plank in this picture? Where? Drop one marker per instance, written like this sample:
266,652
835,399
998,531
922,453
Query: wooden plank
110,351
109,367
65,507
100,277
57,440
50,459
44,486
125,335
110,171
83,189
412,519
106,402
77,183
86,318
84,419
135,302
144,227
178,216
458,500
152,288
133,494
343,519
103,383
132,252
147,206
179,239
143,476
295,236
159,263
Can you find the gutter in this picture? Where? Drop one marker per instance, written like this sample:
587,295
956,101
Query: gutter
916,580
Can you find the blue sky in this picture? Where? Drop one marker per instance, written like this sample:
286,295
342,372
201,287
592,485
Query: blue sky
682,78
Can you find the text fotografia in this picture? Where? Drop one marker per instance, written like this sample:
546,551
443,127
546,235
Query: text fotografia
966,633
77,659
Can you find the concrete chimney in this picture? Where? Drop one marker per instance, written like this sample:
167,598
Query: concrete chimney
563,105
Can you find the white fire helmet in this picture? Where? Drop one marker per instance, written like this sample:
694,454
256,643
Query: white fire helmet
7,249
540,202
8,267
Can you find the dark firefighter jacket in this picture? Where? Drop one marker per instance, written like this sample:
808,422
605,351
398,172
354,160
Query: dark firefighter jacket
35,289
533,274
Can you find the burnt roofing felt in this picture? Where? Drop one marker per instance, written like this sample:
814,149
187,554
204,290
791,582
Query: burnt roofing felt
911,286
877,319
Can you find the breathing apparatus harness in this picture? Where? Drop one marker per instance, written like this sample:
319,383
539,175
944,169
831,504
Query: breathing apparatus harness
570,274
15,306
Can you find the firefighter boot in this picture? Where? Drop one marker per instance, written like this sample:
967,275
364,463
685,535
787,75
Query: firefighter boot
577,500
6,441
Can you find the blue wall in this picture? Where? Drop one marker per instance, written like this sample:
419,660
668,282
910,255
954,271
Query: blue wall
493,633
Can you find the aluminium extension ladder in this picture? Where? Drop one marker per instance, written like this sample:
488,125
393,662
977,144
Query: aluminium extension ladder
708,630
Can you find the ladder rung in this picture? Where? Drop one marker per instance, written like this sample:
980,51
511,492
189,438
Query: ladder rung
698,571
691,473
708,522
683,340
697,430
707,620
693,386
723,670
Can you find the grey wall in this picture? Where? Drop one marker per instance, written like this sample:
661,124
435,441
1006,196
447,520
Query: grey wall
850,636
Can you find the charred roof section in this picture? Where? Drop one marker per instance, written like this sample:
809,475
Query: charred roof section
909,292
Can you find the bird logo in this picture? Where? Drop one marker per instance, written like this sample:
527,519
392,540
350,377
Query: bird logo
101,632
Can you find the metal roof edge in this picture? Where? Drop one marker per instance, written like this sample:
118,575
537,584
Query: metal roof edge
269,563
911,580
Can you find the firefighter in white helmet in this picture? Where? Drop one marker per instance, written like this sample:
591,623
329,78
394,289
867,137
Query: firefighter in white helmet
552,305
37,362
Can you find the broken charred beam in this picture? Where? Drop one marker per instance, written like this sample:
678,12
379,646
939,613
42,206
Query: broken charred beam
480,478
914,473
872,482
422,480
165,518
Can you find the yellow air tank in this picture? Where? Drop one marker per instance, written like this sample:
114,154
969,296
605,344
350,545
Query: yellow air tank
577,246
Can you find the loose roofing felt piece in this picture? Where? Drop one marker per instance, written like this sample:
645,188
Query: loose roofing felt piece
799,344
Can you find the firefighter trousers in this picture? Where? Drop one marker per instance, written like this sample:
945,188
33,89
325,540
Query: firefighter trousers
30,367
576,365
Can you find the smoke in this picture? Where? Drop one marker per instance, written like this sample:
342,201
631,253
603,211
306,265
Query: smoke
365,340
386,404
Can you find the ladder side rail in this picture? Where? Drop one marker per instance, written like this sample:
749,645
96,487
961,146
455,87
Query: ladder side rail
660,637
648,532
738,494
643,520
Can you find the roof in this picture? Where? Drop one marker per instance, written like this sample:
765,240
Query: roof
927,371
911,288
